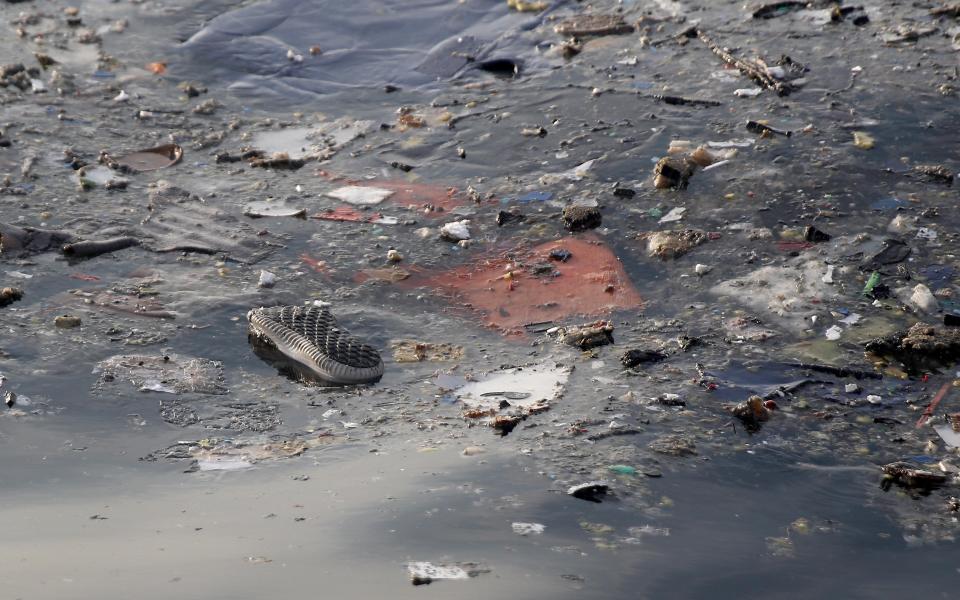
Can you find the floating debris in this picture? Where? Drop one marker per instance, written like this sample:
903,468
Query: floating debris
527,387
907,475
311,337
581,218
457,231
752,412
423,573
360,195
593,25
413,351
667,245
592,491
266,208
67,321
636,357
778,9
170,373
528,528
586,336
9,295
863,140
150,159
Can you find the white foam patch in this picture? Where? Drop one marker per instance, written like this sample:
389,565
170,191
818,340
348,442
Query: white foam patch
521,386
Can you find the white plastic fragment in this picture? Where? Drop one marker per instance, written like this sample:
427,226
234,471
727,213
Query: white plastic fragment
674,215
223,464
925,233
747,92
742,143
701,269
874,399
153,385
528,528
851,388
951,437
716,165
531,385
121,97
331,412
923,299
580,171
900,224
456,231
828,278
649,530
851,319
575,174
360,195
426,572
777,72
267,279
834,333
267,208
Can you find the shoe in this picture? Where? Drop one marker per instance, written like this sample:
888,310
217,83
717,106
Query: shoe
312,337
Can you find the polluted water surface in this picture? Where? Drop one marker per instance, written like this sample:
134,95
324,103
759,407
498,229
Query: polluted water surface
503,298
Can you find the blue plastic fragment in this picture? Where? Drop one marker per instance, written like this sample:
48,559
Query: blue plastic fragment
938,275
535,197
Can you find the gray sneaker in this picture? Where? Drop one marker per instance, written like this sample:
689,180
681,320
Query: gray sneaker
311,336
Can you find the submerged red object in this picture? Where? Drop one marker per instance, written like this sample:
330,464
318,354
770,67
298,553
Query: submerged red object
528,286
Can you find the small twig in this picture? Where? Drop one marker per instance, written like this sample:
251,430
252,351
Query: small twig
748,68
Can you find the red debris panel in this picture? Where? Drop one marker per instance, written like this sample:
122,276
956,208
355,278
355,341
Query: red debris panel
528,285
345,213
421,195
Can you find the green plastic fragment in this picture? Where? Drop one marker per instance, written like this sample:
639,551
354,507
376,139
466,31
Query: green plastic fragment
622,469
655,212
871,283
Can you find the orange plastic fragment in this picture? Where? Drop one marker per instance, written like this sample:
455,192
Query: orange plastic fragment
157,68
509,295
320,266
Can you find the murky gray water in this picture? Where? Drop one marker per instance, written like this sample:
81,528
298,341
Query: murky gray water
232,479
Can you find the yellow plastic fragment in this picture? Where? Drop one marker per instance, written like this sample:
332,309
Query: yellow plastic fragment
528,5
862,140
